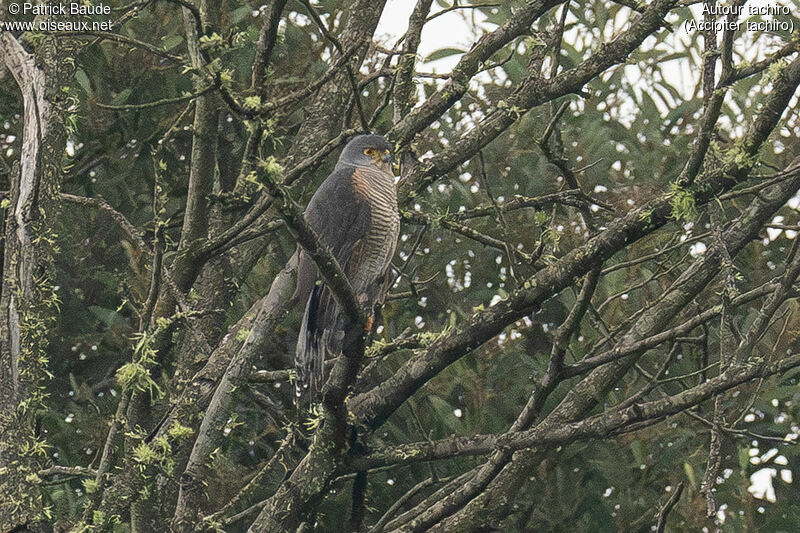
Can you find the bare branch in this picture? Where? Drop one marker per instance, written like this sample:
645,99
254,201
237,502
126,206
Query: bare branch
663,513
554,434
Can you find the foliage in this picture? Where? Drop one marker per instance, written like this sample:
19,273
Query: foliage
122,334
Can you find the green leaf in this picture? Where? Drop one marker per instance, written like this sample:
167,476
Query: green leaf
83,81
108,316
170,42
442,53
444,413
687,468
241,14
638,452
122,97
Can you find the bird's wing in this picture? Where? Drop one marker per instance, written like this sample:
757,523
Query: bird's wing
340,217
338,214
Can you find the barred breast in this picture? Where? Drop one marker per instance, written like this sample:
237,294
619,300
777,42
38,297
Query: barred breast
379,244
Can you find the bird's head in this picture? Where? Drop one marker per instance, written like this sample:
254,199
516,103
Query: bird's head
368,151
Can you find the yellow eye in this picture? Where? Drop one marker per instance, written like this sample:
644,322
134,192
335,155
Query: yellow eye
371,152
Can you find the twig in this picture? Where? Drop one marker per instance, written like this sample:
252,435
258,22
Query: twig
571,197
663,513
448,223
194,12
270,376
158,103
396,506
350,75
403,79
267,38
279,458
67,471
609,422
211,246
501,219
457,6
284,102
551,126
124,39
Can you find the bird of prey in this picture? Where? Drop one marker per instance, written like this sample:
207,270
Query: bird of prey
354,214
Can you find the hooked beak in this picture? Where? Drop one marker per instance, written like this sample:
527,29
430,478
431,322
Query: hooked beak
387,157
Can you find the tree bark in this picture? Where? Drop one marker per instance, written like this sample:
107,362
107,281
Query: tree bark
29,302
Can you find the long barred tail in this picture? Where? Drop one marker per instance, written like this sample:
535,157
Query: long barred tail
310,354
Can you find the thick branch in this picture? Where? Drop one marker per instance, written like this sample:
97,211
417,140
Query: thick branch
555,434
374,406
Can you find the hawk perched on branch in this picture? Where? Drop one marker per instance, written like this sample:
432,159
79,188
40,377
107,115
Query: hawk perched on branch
354,214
